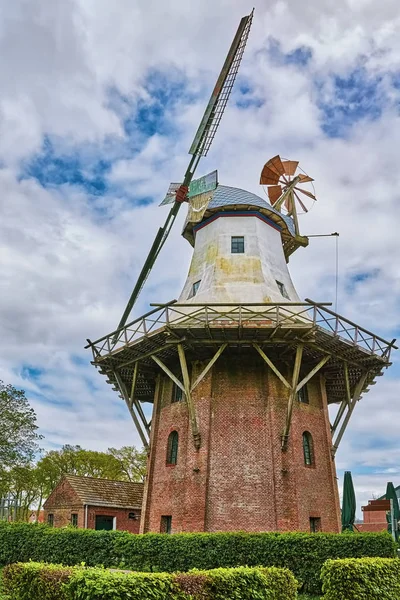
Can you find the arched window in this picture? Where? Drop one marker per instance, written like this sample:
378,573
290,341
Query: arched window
308,448
172,448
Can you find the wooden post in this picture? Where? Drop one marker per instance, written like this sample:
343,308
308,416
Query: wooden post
189,400
292,394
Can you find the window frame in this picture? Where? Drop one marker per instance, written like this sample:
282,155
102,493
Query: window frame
177,394
166,524
172,448
237,244
74,519
303,393
282,289
315,524
50,519
308,449
194,289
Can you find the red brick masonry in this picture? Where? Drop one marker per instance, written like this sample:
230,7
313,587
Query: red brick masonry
89,497
240,479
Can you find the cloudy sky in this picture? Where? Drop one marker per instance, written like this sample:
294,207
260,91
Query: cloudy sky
99,102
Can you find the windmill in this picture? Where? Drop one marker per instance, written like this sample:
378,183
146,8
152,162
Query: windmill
239,371
201,144
288,187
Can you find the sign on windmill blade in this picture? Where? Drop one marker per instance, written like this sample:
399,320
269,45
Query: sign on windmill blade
207,183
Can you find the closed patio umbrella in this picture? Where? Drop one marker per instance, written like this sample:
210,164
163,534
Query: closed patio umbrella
391,495
349,503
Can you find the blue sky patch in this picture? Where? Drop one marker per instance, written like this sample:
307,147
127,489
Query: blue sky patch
359,277
300,56
154,113
52,169
356,97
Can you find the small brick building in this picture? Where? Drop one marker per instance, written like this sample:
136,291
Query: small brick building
374,514
90,503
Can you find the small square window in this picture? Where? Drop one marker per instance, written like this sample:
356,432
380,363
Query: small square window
237,244
315,524
282,289
74,520
302,395
166,523
194,289
50,520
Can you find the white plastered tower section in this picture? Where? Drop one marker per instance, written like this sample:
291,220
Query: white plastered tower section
238,253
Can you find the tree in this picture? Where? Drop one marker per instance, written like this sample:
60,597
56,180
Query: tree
18,429
132,462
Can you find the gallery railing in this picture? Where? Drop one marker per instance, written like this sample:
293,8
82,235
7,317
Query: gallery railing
283,315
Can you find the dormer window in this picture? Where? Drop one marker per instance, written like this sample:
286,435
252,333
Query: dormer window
237,244
194,289
282,289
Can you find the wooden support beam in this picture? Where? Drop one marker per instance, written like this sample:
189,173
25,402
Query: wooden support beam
189,400
272,366
124,393
208,367
356,396
169,373
313,372
134,380
339,415
347,382
292,394
142,416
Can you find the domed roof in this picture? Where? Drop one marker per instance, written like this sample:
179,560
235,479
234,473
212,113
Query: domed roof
226,198
225,195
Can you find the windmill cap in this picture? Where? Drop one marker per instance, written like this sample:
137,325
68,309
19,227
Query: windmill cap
225,198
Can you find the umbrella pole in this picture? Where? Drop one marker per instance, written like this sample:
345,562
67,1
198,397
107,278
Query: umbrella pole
392,519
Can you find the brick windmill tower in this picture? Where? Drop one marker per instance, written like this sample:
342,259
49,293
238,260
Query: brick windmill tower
239,371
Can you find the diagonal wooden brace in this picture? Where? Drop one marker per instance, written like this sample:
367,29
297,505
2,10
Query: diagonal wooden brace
356,396
135,419
189,399
292,395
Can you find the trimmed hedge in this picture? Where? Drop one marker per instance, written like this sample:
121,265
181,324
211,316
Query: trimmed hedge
361,579
31,581
302,553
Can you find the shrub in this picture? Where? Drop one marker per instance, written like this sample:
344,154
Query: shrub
302,553
31,581
361,579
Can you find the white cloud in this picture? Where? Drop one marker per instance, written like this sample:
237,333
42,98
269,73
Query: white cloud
68,261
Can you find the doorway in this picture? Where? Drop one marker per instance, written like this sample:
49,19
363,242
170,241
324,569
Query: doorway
105,523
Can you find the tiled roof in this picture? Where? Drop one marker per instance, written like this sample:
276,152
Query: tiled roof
104,492
227,196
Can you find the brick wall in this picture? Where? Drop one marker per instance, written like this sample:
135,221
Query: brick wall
62,517
63,502
240,479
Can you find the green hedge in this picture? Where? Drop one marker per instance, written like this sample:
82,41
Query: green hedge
34,581
302,553
361,579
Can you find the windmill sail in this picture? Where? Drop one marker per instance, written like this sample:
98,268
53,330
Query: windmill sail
200,146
